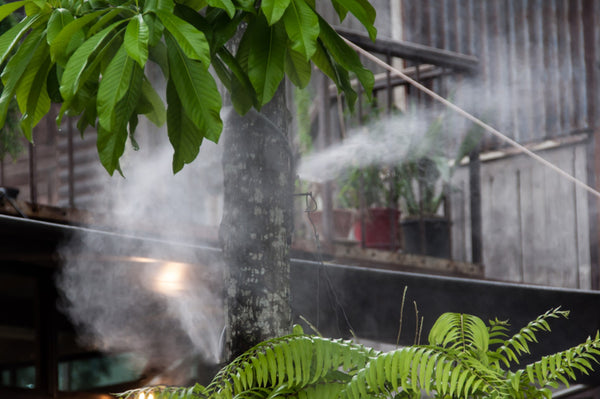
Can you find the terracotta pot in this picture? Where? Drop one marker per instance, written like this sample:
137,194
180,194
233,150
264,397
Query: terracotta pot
342,222
381,228
436,231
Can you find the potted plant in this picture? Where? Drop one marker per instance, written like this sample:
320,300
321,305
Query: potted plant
368,189
423,179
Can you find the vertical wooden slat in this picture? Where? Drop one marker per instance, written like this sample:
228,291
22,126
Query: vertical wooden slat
578,116
588,9
549,71
537,65
565,82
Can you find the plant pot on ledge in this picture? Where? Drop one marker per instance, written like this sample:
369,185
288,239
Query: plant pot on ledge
342,222
436,233
381,228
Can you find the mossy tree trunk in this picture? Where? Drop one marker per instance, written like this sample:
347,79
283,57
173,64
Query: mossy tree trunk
257,225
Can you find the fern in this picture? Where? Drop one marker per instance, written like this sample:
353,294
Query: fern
463,359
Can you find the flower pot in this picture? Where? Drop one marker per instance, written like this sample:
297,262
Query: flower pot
342,222
436,232
381,228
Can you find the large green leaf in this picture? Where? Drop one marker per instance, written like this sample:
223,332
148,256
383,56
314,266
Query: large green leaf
114,85
12,37
150,104
59,45
32,95
226,5
302,27
266,58
136,40
197,90
103,21
335,72
189,39
239,83
345,55
58,20
363,11
297,69
71,78
155,5
340,10
111,141
184,134
7,9
16,67
111,146
274,9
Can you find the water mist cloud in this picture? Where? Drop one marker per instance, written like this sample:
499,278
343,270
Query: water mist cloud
149,297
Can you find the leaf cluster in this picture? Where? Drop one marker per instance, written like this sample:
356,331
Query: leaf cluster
465,358
91,56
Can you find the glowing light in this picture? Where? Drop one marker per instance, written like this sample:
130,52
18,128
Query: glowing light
170,279
142,395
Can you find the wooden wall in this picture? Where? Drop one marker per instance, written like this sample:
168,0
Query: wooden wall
535,223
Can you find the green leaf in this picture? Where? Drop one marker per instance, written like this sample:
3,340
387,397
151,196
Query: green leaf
155,5
196,89
189,39
158,54
110,149
59,45
345,56
103,20
136,40
297,69
111,146
58,20
335,72
151,105
363,11
239,83
184,134
79,61
274,9
302,27
16,67
113,87
226,5
195,4
8,9
53,84
340,10
32,95
266,59
11,37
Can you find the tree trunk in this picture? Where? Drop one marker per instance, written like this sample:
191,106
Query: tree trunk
257,225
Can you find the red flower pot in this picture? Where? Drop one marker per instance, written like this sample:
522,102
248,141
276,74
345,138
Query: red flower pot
381,228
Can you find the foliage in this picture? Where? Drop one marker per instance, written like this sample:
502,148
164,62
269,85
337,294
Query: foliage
426,167
92,57
10,133
371,182
464,358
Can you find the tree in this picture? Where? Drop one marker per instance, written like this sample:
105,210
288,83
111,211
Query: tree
92,56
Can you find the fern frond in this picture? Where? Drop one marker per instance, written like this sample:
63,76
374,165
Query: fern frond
429,368
563,366
461,332
294,361
511,349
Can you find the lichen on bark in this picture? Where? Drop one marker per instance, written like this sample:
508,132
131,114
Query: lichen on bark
257,225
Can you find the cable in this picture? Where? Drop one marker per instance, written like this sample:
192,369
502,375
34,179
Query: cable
474,119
